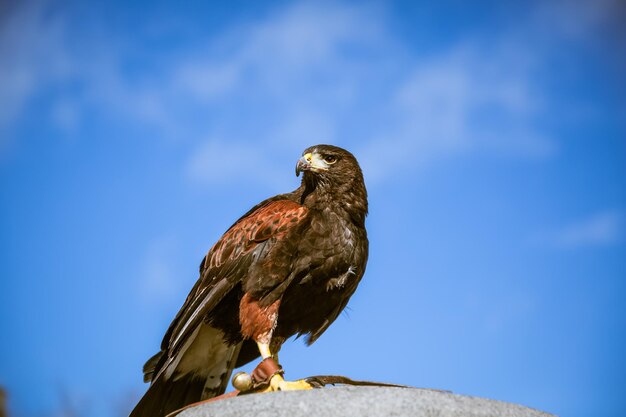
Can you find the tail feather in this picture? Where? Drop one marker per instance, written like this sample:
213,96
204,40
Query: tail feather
150,366
165,396
200,370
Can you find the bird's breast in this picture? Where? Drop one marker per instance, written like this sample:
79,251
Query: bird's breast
329,264
332,249
329,236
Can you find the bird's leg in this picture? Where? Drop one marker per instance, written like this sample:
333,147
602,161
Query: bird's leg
277,382
264,349
258,323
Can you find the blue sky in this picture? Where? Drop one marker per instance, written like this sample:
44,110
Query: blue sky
492,137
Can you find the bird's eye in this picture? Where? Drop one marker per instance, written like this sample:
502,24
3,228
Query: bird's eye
330,159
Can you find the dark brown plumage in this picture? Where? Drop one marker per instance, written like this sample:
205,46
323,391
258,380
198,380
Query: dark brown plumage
287,267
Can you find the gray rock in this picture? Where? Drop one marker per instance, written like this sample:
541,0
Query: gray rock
348,401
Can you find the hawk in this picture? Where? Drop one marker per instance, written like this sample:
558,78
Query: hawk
287,267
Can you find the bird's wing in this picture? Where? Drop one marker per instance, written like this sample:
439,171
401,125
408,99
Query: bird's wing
227,263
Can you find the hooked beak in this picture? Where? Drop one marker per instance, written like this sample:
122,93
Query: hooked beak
304,163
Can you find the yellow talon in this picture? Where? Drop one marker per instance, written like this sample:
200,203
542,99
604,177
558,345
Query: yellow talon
278,383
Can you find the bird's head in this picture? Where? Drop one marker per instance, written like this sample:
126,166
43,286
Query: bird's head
328,163
332,171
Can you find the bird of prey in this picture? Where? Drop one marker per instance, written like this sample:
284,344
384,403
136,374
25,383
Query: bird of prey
287,267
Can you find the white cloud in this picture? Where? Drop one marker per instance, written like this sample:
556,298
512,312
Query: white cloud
219,161
303,74
41,53
474,97
601,229
578,19
33,53
208,81
65,115
158,271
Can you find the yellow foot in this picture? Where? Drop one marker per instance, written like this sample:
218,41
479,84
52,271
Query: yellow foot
278,383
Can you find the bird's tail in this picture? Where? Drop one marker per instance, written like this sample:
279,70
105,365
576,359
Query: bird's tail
200,370
164,396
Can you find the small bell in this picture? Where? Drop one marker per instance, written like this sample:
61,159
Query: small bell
242,381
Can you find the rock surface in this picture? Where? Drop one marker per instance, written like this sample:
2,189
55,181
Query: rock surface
349,401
